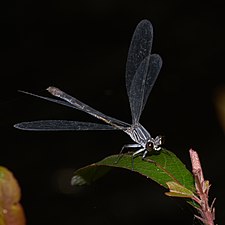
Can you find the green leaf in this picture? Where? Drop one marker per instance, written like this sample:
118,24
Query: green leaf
162,168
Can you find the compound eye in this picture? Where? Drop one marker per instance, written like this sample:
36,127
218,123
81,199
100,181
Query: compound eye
149,146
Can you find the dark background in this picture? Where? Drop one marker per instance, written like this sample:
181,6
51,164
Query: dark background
81,47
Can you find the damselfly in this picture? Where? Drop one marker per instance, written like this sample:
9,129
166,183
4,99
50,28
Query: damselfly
142,69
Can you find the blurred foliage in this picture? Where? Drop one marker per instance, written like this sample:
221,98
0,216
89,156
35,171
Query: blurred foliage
11,211
220,106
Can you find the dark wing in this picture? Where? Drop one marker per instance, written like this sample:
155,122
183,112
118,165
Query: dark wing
142,68
74,103
140,48
137,90
155,65
61,125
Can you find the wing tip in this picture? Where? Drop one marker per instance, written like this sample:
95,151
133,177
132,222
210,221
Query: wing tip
19,126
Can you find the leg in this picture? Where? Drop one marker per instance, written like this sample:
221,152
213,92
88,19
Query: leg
147,160
137,153
143,156
129,146
126,146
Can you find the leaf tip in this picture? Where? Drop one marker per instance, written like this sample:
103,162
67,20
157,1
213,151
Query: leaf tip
78,180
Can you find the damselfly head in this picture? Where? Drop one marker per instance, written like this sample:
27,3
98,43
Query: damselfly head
155,144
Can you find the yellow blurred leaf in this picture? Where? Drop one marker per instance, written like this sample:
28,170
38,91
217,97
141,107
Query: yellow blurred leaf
11,211
219,100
